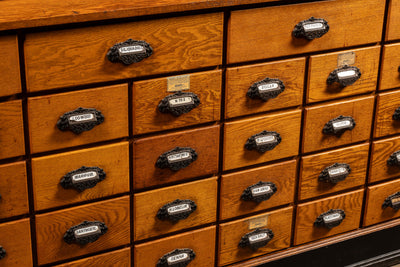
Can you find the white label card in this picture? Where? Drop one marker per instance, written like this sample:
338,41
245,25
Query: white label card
129,50
261,190
82,118
341,124
181,101
337,171
266,139
87,231
346,73
177,258
258,237
80,177
267,87
313,26
178,208
179,157
332,217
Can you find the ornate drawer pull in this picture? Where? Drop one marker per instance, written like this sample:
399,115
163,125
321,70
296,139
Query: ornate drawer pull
83,178
392,201
177,158
330,219
339,125
177,210
311,28
266,89
80,120
394,159
3,252
259,192
179,103
85,232
335,173
345,76
396,114
130,51
256,239
180,257
263,141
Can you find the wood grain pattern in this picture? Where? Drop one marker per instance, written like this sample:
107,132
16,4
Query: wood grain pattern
51,227
263,33
147,204
393,24
205,141
78,56
386,105
366,59
360,109
305,231
312,166
390,77
47,172
44,112
10,81
238,81
236,134
283,175
148,94
280,222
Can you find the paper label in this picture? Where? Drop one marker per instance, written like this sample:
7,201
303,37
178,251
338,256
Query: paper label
267,87
348,58
258,222
179,157
337,171
341,124
346,74
178,208
266,139
258,237
86,231
332,217
80,177
177,258
260,190
181,101
82,118
313,26
178,83
130,50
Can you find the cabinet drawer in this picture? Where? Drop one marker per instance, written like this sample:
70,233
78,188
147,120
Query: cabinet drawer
62,179
10,81
245,80
173,152
393,24
390,77
324,128
331,75
333,171
149,96
269,30
201,242
311,216
387,119
384,160
230,234
268,130
242,192
79,56
45,113
51,228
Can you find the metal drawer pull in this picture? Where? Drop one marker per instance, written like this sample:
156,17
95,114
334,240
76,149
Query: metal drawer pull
330,219
396,114
80,120
339,125
177,158
392,201
130,51
259,192
311,28
179,103
177,210
394,159
83,178
345,76
266,89
3,252
85,232
180,257
256,239
335,173
263,141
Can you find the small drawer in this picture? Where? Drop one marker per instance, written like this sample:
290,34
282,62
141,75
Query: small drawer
336,124
264,87
82,175
271,32
177,156
387,119
333,171
81,56
257,189
343,73
329,216
261,139
194,247
56,121
106,220
254,236
390,76
159,104
393,24
10,81
175,208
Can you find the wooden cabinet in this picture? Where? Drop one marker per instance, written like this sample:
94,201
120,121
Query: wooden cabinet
10,81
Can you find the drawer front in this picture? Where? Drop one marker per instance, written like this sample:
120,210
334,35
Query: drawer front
79,56
149,96
201,242
384,164
242,192
245,80
45,113
60,179
390,67
230,234
336,74
324,128
10,81
51,228
238,133
393,24
387,119
350,23
203,142
307,229
333,171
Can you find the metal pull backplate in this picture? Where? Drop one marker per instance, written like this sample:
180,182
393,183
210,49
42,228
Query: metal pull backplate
263,141
259,192
179,103
83,178
256,239
85,232
335,173
180,257
339,125
345,76
392,201
266,89
3,252
394,159
330,219
177,158
80,120
177,210
129,52
311,28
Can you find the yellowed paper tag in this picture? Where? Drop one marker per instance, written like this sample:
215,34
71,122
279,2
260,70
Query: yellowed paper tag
258,222
348,58
178,83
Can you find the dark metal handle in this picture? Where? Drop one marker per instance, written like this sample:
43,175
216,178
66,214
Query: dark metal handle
179,103
130,51
85,232
177,210
339,125
177,158
256,239
330,219
3,252
335,173
259,192
311,28
80,120
263,141
396,114
83,178
180,257
266,89
392,201
394,159
345,76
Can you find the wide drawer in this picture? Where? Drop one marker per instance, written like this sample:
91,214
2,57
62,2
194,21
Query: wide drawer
393,22
387,119
10,81
390,66
385,162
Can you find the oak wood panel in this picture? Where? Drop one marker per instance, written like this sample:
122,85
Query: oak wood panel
148,94
386,105
393,22
78,56
307,213
147,204
360,109
239,79
312,166
51,227
205,141
279,221
47,172
366,59
10,81
283,175
390,77
267,32
236,134
44,112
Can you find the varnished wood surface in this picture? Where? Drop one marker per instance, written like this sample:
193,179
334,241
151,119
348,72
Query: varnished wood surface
381,151
390,76
10,81
387,103
393,24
